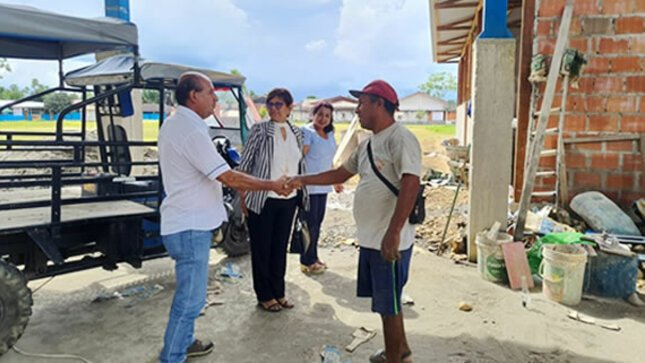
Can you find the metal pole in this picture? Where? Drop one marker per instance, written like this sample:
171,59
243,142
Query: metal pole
445,230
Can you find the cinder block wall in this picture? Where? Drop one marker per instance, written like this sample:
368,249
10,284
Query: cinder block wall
610,99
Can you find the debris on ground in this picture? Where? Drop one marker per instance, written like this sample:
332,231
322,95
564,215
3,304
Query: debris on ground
406,299
330,354
231,270
539,222
346,242
361,335
138,293
464,306
439,201
574,315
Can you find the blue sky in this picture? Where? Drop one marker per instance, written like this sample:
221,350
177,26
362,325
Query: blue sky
312,47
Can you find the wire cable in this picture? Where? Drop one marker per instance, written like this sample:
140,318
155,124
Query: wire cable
43,284
50,356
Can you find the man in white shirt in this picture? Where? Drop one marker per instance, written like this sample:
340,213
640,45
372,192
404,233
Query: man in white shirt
385,235
193,172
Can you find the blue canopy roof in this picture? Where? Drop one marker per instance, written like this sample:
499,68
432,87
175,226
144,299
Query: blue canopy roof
119,69
27,32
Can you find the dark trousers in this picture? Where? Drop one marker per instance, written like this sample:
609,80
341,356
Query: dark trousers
269,232
315,216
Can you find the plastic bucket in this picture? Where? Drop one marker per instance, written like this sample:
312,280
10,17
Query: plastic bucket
563,271
490,257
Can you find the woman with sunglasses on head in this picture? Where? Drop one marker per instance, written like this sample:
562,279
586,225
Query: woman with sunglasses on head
274,149
320,147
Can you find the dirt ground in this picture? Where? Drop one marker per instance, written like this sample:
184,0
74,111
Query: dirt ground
498,329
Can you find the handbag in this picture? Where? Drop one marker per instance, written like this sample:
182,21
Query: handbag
300,237
418,213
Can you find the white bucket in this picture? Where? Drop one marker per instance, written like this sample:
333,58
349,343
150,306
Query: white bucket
490,257
563,271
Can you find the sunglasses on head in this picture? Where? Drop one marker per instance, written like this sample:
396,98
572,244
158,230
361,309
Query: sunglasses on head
277,105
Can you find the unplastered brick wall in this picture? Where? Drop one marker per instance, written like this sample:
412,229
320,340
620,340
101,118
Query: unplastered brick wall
610,99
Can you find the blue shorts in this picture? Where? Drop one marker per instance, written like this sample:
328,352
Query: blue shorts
381,280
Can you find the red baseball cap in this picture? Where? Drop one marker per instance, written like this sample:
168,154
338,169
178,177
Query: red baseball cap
378,88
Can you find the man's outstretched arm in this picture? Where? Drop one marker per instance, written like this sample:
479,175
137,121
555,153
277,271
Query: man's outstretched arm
241,181
334,176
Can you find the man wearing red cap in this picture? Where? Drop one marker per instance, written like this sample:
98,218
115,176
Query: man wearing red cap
385,235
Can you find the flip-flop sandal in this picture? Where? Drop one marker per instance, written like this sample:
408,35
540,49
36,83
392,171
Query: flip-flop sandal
286,304
379,357
313,269
276,307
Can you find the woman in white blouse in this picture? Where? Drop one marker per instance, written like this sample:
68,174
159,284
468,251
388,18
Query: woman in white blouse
274,149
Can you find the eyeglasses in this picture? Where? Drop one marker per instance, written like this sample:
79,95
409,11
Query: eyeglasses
277,105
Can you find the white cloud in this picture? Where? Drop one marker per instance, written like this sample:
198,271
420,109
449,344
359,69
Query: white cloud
196,30
387,30
272,42
316,45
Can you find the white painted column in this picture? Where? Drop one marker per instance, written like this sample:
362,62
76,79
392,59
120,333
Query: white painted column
493,99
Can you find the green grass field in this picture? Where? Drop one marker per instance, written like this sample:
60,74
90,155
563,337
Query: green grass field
150,128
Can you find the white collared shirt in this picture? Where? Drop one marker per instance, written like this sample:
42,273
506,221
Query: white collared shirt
190,165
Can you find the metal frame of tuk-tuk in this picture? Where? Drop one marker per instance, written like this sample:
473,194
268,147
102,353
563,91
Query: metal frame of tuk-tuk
57,240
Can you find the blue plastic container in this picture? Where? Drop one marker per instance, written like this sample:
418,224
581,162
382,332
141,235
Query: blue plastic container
611,275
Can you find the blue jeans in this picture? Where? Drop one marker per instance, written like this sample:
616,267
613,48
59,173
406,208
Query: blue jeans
190,250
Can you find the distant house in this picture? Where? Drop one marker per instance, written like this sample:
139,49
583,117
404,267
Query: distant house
28,110
344,108
420,107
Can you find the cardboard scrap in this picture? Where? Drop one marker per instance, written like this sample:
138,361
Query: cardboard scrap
361,335
591,321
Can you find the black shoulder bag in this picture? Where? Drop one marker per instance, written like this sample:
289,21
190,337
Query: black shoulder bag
418,213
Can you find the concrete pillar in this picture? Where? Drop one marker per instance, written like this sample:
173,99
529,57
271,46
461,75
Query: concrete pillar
493,97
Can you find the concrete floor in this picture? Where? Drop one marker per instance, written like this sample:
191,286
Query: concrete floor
498,329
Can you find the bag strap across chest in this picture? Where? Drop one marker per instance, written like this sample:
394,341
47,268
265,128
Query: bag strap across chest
387,183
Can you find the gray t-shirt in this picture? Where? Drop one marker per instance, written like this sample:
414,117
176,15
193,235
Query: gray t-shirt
396,152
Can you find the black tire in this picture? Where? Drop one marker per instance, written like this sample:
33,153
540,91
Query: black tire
236,240
15,305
